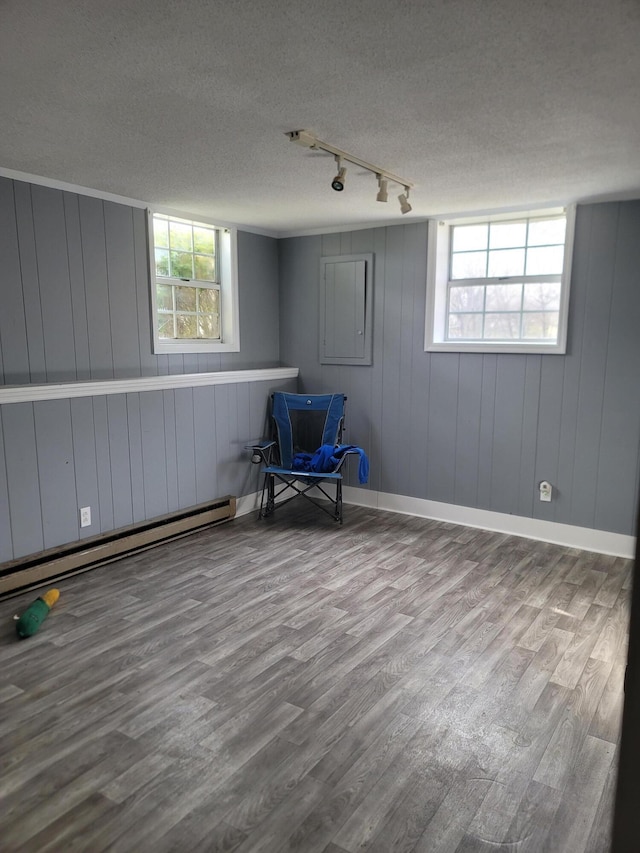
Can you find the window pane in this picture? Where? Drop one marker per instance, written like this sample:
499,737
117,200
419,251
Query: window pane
469,237
544,232
504,297
466,298
543,325
185,298
161,232
180,236
164,297
165,326
545,261
203,240
502,326
469,265
505,235
162,262
181,265
465,326
186,325
208,300
203,267
208,326
506,262
541,296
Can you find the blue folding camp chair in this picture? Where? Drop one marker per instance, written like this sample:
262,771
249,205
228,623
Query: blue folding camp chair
305,451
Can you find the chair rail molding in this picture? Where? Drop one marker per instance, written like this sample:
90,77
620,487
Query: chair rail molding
68,390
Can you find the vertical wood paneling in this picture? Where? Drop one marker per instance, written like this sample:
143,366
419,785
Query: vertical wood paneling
119,454
55,287
6,548
123,308
77,284
596,229
468,429
223,404
484,430
154,453
103,463
487,421
22,478
76,305
300,264
134,432
507,432
31,283
616,490
185,447
205,443
410,269
13,329
94,258
359,403
391,367
530,406
258,300
442,418
170,448
85,462
572,378
54,445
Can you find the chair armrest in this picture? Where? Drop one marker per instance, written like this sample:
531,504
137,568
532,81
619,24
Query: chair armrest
261,451
342,459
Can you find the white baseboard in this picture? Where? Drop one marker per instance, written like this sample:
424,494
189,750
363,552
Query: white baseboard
247,504
584,538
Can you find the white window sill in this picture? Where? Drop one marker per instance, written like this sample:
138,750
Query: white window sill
485,347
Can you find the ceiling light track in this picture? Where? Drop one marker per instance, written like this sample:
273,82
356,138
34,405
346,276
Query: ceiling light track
304,137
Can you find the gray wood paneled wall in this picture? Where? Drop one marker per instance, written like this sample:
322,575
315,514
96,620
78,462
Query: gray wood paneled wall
75,292
483,430
74,286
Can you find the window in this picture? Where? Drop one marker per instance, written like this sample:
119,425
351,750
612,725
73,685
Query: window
499,284
194,286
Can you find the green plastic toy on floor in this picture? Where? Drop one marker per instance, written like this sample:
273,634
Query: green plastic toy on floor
29,623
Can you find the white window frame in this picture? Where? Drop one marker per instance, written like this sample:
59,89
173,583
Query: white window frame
227,262
438,260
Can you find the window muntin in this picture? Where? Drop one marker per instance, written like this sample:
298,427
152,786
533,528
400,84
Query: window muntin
187,287
505,280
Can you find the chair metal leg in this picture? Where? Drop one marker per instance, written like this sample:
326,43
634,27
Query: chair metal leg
271,495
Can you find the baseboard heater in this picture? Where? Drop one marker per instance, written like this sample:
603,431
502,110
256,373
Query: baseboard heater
65,560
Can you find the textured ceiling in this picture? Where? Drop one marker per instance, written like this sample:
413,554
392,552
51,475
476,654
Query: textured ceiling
484,104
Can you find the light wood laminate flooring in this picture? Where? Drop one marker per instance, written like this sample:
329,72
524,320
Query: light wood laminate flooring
395,684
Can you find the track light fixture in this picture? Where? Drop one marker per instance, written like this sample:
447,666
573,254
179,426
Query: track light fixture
337,183
304,137
382,189
403,198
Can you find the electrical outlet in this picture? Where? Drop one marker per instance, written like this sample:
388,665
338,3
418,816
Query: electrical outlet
85,516
546,490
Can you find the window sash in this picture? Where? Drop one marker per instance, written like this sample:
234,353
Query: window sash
175,311
483,311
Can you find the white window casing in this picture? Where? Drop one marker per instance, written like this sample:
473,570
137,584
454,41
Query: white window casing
226,283
439,284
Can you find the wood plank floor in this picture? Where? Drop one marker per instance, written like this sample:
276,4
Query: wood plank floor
396,684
